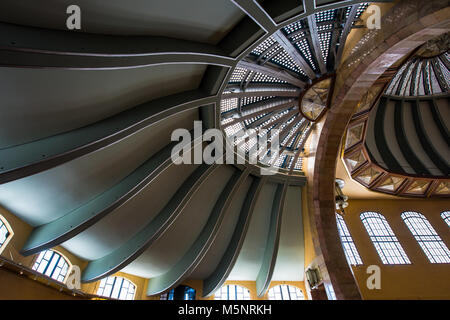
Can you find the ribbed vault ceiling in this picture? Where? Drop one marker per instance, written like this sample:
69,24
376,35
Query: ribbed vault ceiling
87,118
398,141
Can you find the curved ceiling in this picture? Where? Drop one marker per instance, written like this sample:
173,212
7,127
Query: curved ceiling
284,85
87,117
398,141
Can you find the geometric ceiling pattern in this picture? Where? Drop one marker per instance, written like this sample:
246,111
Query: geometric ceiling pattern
285,84
85,156
422,76
398,140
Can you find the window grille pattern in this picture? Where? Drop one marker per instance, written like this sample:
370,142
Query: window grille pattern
285,292
430,242
116,288
232,292
351,253
384,239
51,264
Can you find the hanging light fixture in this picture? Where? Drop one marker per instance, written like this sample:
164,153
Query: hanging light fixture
340,198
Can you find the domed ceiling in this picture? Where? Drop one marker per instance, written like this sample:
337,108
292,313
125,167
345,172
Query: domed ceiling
285,84
87,118
398,140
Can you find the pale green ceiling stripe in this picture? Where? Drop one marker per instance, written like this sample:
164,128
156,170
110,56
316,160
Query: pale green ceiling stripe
30,158
270,254
134,247
72,223
197,251
220,275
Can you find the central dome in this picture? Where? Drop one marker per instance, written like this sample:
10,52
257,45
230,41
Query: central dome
283,86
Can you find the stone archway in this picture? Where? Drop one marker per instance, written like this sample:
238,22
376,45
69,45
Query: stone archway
411,23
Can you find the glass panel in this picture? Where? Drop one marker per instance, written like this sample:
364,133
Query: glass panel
52,264
446,216
430,242
384,239
118,288
285,292
232,292
351,253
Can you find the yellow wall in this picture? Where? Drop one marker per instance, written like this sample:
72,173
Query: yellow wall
419,280
30,289
16,287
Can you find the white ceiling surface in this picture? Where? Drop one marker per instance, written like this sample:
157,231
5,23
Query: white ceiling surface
36,102
68,99
212,259
55,192
121,224
252,253
291,253
161,256
199,20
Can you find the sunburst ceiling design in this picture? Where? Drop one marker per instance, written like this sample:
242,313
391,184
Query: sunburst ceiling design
284,84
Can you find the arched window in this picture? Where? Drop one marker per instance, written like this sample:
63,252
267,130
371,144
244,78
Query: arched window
6,233
384,239
52,264
446,216
232,292
426,236
116,288
285,292
188,293
351,253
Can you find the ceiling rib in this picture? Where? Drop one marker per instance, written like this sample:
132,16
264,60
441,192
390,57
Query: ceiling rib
347,28
29,47
273,72
226,264
270,254
316,43
256,13
134,247
292,51
259,112
76,221
197,251
262,93
22,160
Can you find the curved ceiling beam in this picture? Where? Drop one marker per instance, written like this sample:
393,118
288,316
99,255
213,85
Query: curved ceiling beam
33,157
281,119
296,134
408,153
273,72
344,34
293,52
263,93
29,47
134,247
439,122
263,87
270,255
254,10
226,264
434,154
380,137
197,251
263,119
66,227
257,112
315,41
